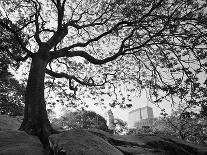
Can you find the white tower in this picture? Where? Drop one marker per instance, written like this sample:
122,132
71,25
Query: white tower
109,119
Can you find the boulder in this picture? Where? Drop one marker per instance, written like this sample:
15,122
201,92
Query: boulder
90,142
150,144
81,142
20,143
9,123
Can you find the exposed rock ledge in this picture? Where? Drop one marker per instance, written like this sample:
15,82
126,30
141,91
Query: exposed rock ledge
90,142
9,123
19,143
97,142
81,142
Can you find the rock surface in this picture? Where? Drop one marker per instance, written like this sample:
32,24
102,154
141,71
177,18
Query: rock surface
81,142
151,144
97,142
19,143
89,142
9,123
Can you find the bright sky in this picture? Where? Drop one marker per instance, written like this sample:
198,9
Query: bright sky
137,102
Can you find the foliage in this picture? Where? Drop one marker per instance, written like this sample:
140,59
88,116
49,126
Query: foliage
141,131
185,125
155,44
11,92
120,126
81,119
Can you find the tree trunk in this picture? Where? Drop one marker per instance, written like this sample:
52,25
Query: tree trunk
35,120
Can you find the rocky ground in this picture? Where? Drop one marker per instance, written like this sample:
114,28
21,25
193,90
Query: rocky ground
89,142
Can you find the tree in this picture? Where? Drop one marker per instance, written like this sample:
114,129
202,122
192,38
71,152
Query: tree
154,44
120,126
183,124
81,119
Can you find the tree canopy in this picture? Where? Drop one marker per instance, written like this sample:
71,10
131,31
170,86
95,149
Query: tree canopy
157,45
81,119
120,126
184,124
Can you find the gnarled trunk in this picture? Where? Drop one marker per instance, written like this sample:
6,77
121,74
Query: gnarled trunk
35,120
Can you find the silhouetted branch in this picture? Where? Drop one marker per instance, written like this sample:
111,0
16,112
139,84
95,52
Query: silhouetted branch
72,77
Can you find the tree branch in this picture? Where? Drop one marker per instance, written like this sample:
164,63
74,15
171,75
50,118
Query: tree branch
19,58
36,21
25,25
16,36
65,53
60,10
115,27
72,77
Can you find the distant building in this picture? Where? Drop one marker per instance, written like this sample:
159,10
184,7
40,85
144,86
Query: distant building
109,119
145,123
140,117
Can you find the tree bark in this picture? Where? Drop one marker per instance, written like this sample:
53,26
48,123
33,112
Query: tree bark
35,120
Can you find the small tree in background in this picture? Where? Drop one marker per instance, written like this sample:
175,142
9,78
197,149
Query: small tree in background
144,130
81,119
120,126
183,124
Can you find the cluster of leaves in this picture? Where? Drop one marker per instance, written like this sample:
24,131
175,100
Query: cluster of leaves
12,42
141,131
186,125
81,119
11,92
120,126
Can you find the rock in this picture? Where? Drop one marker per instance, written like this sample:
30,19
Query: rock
97,142
9,123
57,127
134,150
150,144
81,142
90,142
20,143
171,145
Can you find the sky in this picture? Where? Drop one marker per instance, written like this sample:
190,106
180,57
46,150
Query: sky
137,102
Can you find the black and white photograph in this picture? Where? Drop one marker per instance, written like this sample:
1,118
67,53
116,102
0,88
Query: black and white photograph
103,77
